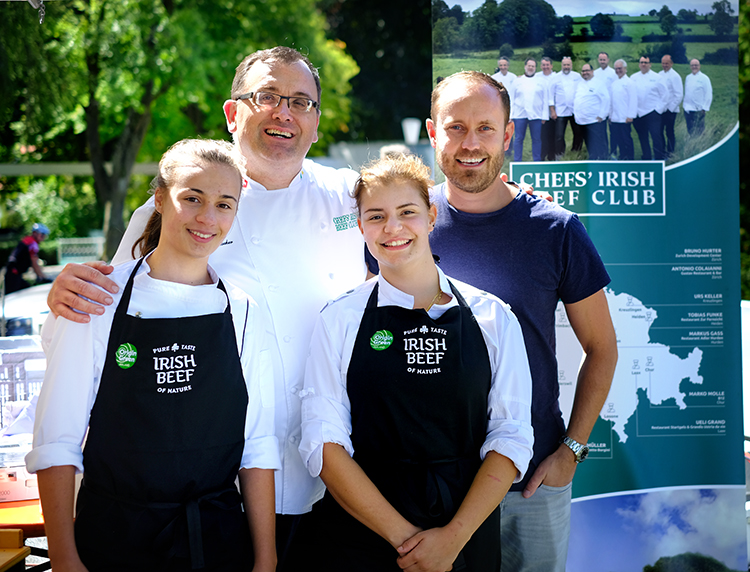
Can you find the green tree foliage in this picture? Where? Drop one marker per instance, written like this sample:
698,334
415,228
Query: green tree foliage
722,23
664,11
602,25
506,50
445,35
668,24
115,67
526,22
652,12
687,16
565,26
390,40
688,562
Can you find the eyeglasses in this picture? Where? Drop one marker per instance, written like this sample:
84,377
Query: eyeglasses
272,100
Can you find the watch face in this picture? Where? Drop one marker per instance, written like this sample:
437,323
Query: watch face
583,453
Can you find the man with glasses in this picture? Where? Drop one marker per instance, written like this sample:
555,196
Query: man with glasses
591,109
698,97
624,109
294,245
652,98
547,76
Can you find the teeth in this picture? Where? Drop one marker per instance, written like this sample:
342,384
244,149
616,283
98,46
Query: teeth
397,243
279,133
200,234
471,161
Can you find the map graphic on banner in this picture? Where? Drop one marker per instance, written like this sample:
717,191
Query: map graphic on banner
664,482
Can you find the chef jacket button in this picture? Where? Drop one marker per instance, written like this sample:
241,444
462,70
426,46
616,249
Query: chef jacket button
293,439
273,288
295,389
323,226
287,339
255,240
330,275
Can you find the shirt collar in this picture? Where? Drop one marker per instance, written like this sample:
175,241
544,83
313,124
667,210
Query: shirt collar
389,295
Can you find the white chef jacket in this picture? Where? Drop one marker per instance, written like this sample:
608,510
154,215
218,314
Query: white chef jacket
77,352
549,80
652,93
326,410
673,82
698,92
624,100
607,74
292,250
507,80
564,92
530,98
591,101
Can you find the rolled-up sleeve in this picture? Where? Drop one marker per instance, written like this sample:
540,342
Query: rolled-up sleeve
509,430
326,411
67,395
261,449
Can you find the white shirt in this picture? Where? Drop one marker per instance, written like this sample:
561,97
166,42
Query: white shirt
673,82
591,101
77,352
652,93
326,410
530,98
564,92
508,80
624,100
607,74
698,92
292,250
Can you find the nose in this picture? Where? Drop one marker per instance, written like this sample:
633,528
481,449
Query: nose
392,225
206,215
282,110
471,141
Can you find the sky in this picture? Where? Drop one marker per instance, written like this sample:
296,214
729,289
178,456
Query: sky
638,529
629,7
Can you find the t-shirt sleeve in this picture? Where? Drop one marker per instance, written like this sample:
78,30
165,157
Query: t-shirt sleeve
583,270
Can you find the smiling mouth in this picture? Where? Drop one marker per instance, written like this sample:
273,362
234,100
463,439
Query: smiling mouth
200,234
278,133
393,243
472,162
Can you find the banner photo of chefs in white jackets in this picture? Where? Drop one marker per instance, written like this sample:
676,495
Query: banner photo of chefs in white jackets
630,121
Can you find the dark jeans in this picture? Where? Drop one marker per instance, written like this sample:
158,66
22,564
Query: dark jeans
535,129
650,124
560,124
622,141
695,121
595,135
667,122
548,141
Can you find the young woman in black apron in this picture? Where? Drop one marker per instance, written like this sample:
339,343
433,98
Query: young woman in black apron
168,382
416,407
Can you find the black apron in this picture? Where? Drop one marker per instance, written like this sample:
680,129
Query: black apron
165,443
418,389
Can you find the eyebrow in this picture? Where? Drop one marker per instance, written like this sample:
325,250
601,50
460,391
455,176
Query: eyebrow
221,196
272,88
398,207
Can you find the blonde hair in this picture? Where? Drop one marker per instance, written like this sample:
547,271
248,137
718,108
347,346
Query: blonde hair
185,153
391,170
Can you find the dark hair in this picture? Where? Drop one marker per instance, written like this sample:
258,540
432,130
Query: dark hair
474,78
188,152
391,170
280,54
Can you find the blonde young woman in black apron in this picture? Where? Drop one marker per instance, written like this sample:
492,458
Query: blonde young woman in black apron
169,383
416,407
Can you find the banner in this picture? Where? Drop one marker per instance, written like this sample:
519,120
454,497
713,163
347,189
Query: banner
664,484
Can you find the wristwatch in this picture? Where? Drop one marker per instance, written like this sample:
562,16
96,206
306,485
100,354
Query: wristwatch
580,451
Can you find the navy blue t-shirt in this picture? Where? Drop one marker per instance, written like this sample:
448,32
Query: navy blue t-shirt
529,254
